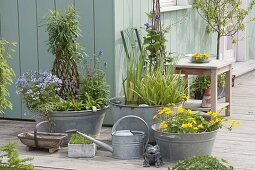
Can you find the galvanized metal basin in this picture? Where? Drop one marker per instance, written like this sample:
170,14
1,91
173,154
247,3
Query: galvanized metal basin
85,121
175,147
144,112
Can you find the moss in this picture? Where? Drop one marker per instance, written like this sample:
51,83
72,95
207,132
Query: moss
77,139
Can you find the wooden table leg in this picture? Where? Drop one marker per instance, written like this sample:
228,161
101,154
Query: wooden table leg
187,79
228,90
214,90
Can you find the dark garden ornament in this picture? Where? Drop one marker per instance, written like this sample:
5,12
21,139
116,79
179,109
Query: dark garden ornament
152,156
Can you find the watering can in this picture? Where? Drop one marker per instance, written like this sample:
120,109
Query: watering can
126,144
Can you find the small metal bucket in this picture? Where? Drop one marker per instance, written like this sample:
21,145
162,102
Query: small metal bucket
129,144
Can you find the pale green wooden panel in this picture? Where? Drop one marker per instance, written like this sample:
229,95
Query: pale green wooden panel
63,4
119,50
9,31
144,6
45,57
128,13
173,32
250,37
85,10
165,21
136,13
28,42
182,33
104,40
188,33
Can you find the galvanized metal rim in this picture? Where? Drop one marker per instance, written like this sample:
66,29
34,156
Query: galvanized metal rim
153,127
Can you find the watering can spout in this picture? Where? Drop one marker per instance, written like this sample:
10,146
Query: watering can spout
97,142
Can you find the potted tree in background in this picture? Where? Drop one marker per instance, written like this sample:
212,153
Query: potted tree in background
71,96
6,73
224,17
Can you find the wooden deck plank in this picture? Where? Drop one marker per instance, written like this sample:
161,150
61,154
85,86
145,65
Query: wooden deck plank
238,146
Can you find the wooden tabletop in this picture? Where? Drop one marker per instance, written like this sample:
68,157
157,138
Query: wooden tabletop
213,64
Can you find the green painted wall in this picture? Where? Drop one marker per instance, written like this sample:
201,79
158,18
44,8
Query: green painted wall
22,21
101,23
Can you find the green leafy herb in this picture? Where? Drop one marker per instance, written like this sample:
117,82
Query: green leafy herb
77,139
6,73
202,163
13,161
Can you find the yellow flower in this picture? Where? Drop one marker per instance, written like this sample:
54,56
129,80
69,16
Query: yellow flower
210,112
189,111
180,109
163,125
234,123
223,108
195,128
184,125
213,122
200,126
160,112
168,111
215,114
155,117
190,125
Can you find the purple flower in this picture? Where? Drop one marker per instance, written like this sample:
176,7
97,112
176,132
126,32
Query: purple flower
90,74
148,26
100,53
105,63
157,18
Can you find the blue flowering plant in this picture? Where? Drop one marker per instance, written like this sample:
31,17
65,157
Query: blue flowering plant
38,88
94,89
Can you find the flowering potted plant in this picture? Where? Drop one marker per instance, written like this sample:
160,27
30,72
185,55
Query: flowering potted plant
200,58
182,133
148,84
69,96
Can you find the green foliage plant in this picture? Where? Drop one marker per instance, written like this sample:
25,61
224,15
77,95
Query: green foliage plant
201,83
13,161
155,42
77,139
135,70
94,89
63,29
148,80
161,87
6,73
202,163
224,17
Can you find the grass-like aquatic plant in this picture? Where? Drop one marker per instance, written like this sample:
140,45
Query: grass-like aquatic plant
161,87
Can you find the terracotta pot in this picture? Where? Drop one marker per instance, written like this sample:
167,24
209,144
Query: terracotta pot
206,102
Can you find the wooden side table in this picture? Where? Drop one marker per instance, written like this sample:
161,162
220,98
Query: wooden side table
212,69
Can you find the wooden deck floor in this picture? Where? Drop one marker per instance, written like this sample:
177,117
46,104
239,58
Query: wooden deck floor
237,146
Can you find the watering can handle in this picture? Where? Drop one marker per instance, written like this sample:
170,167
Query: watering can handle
132,116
